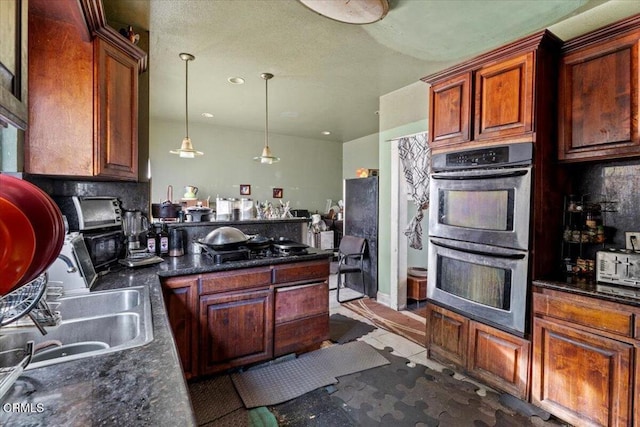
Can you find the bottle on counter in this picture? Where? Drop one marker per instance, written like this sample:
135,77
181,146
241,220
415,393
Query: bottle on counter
162,241
151,240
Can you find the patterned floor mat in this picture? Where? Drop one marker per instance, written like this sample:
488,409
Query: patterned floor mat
400,395
280,382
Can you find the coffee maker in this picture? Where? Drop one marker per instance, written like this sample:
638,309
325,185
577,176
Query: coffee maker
134,224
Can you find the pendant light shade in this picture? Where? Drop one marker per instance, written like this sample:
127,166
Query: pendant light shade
186,148
350,11
267,157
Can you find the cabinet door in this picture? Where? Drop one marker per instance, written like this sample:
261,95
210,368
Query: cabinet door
504,98
117,112
181,301
599,88
499,359
235,329
447,336
581,377
450,114
13,63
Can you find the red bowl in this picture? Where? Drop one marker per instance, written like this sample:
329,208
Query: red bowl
18,245
46,220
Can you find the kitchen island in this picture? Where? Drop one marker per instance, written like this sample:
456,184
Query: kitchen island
139,386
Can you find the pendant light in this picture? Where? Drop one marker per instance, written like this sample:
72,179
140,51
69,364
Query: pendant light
266,158
186,149
350,11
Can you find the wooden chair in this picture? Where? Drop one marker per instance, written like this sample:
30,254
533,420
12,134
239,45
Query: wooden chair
350,260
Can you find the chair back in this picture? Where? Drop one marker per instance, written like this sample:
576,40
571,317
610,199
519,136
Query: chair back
352,245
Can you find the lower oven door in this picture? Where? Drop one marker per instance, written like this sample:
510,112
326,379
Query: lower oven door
484,283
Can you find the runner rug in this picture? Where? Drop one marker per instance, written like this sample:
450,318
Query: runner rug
390,320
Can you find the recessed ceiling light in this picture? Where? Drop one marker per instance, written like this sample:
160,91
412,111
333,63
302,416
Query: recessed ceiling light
325,132
235,80
207,115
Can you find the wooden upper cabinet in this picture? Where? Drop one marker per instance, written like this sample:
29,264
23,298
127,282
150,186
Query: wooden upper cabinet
599,92
504,98
13,63
495,97
450,117
116,82
84,93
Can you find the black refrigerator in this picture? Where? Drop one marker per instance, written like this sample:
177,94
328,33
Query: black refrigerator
361,220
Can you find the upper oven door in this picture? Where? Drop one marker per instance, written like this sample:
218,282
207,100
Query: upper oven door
488,206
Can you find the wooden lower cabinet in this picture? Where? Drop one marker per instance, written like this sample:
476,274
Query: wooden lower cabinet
447,336
499,359
581,377
181,299
235,329
227,319
584,359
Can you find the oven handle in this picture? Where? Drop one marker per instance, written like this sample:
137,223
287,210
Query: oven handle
476,252
509,174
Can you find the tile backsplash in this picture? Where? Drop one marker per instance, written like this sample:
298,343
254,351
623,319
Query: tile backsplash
132,195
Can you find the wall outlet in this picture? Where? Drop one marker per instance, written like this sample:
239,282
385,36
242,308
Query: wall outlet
632,239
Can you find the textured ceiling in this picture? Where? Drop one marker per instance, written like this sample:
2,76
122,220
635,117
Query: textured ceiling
328,75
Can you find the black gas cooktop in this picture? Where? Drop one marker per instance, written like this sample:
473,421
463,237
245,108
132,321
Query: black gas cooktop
278,249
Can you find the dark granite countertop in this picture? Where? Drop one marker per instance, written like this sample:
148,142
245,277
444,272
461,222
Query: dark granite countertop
135,387
200,263
605,292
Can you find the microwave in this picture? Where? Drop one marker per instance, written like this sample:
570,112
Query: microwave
105,248
618,267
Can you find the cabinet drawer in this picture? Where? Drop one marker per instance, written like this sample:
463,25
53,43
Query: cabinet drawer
294,302
234,280
302,334
584,311
312,270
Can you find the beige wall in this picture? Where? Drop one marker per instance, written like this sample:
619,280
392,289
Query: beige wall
309,173
359,153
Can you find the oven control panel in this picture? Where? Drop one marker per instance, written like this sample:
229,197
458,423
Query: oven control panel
490,157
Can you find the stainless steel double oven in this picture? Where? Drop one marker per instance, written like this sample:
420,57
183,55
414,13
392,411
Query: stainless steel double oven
479,228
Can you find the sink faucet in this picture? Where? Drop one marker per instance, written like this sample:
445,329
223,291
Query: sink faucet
70,267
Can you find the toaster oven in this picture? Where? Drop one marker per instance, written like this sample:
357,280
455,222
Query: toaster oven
618,267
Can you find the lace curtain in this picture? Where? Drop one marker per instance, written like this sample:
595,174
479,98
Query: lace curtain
415,156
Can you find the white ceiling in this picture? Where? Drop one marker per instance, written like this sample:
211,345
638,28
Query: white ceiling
328,75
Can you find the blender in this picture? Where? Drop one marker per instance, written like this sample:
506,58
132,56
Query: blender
133,224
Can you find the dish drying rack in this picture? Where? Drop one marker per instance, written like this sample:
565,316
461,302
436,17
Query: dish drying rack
26,306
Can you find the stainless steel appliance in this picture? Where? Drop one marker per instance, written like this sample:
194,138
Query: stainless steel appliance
105,248
91,213
99,220
479,226
73,267
133,224
618,267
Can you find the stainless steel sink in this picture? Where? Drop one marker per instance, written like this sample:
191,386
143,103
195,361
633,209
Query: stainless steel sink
92,324
99,303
